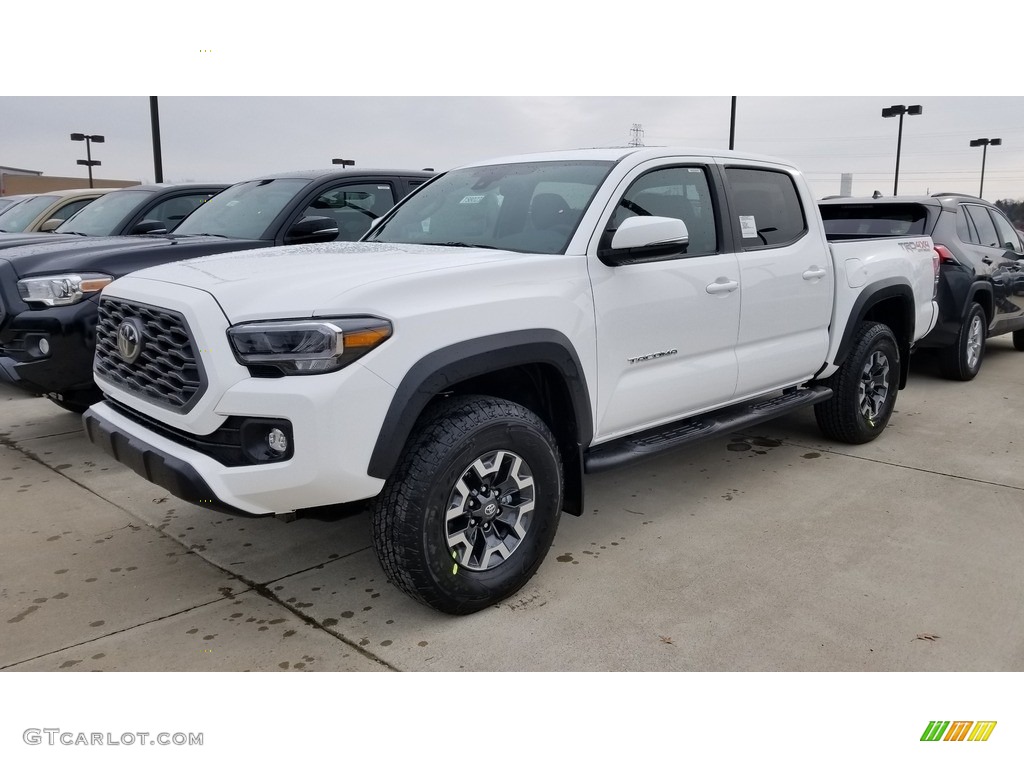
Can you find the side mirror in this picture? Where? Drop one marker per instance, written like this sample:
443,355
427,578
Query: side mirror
149,227
51,224
312,229
646,238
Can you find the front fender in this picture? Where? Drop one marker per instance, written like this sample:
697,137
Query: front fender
446,367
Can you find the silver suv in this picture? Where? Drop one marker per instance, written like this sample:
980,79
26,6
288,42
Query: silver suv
981,273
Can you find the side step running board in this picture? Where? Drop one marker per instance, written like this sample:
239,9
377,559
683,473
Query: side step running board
653,442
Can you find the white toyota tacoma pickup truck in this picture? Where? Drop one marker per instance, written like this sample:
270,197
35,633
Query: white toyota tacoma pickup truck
507,328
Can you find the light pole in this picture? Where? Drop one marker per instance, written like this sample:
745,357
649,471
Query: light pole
154,121
732,124
343,163
88,138
984,144
900,110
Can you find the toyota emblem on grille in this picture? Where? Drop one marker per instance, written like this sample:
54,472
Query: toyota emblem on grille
129,339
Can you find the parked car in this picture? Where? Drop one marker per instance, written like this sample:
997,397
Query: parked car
508,327
981,275
145,209
47,211
49,291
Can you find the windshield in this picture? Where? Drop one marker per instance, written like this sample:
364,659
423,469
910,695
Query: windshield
244,210
7,202
525,207
102,215
19,216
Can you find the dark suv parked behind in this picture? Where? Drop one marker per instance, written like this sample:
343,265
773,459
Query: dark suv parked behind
49,292
981,273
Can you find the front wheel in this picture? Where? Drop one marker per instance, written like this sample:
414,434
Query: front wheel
472,507
962,360
864,388
1018,340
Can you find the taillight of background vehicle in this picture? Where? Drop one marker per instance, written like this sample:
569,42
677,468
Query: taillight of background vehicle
945,255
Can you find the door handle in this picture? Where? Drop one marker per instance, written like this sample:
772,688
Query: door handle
814,273
728,286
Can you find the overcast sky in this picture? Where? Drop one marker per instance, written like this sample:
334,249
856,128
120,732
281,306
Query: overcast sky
672,75
231,138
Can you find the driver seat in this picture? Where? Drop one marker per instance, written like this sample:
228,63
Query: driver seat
550,211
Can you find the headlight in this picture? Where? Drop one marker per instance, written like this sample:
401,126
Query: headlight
307,346
61,290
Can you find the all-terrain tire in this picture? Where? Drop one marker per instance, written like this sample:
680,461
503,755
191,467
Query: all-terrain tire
472,507
864,388
962,360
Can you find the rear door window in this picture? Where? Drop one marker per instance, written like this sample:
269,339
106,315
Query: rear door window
987,234
766,207
1007,234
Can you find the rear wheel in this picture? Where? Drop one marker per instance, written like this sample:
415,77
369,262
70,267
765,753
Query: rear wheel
1018,340
962,360
864,388
471,510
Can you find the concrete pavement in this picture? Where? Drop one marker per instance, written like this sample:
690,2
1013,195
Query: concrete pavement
770,550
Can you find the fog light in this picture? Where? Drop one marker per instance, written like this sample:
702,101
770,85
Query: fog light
266,440
278,441
44,347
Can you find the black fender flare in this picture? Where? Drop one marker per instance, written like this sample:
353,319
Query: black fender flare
893,287
450,365
980,287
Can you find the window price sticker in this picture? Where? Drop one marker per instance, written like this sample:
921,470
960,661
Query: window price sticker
748,227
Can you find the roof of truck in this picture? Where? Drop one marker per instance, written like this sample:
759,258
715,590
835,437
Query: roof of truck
614,154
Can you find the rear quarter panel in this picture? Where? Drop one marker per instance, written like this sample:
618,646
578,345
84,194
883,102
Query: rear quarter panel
864,265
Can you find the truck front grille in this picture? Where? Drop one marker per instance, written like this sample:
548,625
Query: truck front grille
167,371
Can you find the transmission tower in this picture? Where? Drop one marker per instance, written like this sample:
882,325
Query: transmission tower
636,135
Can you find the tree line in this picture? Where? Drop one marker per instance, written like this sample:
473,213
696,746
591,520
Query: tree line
1014,210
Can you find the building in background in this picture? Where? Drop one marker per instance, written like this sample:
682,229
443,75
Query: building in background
21,181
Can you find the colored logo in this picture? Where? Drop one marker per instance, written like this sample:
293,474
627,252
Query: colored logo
958,730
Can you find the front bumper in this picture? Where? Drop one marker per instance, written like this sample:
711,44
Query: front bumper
70,340
159,467
334,420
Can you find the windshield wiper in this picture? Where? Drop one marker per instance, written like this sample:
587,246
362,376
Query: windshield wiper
465,245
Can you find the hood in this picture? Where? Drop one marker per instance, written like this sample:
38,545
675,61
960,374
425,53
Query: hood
116,256
15,239
301,280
